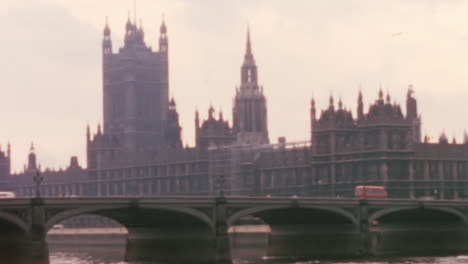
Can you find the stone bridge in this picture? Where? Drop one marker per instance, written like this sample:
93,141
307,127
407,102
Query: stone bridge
194,229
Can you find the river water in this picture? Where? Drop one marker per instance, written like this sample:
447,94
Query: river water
112,255
245,249
84,258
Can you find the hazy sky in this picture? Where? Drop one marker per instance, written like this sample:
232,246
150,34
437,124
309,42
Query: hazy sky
51,62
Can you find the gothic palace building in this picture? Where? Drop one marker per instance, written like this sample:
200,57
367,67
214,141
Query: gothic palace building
139,150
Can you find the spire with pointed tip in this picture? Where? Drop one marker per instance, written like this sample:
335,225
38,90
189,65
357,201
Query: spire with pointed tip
331,102
163,28
32,158
248,69
172,104
221,115
312,110
388,99
340,104
250,110
248,50
106,28
129,24
163,42
31,148
88,133
360,107
210,112
107,41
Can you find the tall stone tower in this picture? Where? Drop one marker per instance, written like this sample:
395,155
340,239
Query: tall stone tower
250,111
135,90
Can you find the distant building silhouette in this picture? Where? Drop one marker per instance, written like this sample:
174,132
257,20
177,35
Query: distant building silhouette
139,150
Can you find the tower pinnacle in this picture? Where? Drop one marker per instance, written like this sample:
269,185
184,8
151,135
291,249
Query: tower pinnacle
249,69
360,108
248,50
106,41
163,42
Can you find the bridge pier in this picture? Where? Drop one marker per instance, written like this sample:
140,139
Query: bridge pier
313,241
35,252
223,245
36,245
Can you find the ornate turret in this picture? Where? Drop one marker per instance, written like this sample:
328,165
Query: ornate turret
313,111
211,113
411,104
173,129
213,133
107,41
380,100
163,42
443,138
412,114
32,165
134,36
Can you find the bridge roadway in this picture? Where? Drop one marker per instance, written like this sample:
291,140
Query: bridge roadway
195,229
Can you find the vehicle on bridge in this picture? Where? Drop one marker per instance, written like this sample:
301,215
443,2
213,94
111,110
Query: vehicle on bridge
5,195
370,191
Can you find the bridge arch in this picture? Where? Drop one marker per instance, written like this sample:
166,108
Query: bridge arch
375,216
255,210
79,211
185,210
15,220
100,210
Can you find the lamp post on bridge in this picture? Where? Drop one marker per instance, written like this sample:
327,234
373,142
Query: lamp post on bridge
220,180
38,179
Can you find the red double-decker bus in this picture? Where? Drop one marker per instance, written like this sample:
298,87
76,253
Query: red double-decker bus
370,191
